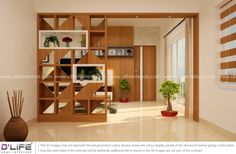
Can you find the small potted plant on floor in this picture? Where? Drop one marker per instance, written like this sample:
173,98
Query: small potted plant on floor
169,89
51,41
125,88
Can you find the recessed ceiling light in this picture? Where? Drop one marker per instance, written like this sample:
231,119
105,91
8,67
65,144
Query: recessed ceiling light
136,16
169,16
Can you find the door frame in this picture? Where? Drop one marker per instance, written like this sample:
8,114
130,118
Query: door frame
195,17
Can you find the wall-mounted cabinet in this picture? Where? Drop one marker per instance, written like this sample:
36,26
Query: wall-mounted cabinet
120,36
63,39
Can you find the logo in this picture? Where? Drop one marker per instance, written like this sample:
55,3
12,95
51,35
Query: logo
15,148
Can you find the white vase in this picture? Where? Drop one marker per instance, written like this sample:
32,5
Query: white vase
51,44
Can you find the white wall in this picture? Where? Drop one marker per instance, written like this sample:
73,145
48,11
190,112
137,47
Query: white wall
18,55
216,105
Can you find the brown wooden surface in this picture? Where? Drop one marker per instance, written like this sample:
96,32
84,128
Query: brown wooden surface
137,73
122,66
228,11
228,38
228,65
227,53
196,68
120,36
54,117
228,78
96,39
149,73
228,23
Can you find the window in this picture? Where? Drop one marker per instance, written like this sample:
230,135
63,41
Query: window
228,43
178,65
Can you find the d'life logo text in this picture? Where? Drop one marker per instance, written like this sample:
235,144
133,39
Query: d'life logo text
16,148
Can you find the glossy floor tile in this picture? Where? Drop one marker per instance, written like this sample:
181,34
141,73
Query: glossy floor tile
133,122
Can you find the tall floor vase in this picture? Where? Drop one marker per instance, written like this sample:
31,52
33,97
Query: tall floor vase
16,128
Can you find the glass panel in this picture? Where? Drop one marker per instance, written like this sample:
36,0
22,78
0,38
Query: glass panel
173,61
181,68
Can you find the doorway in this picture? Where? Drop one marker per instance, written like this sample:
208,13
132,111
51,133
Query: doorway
195,18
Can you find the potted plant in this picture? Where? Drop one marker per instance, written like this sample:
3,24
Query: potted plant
169,89
51,41
125,88
67,41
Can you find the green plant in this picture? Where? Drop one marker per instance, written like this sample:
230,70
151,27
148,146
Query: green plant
169,89
52,39
124,86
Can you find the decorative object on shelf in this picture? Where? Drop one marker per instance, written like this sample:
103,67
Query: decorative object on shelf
121,51
113,108
96,74
125,88
51,41
81,75
83,41
169,89
46,59
16,129
67,41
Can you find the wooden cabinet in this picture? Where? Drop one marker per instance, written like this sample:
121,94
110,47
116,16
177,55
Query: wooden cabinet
120,36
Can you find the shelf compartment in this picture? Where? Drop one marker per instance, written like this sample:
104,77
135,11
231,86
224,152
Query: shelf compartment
97,40
46,73
63,73
81,107
79,39
98,22
46,90
88,73
46,107
45,57
97,107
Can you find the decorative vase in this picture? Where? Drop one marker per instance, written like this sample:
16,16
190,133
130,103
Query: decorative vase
51,44
81,77
16,129
67,44
83,44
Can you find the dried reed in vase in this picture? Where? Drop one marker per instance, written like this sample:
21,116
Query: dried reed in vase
15,103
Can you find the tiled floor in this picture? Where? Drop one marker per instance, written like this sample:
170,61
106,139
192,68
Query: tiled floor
133,122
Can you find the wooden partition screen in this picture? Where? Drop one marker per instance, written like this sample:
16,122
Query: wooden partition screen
228,43
71,50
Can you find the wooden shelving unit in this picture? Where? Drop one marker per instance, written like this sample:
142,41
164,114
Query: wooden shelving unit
59,98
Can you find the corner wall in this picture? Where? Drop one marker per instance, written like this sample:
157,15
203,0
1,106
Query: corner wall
216,105
18,56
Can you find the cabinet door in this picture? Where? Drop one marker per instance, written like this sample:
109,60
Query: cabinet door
126,36
120,36
149,73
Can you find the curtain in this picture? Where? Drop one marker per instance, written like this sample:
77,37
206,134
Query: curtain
188,66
